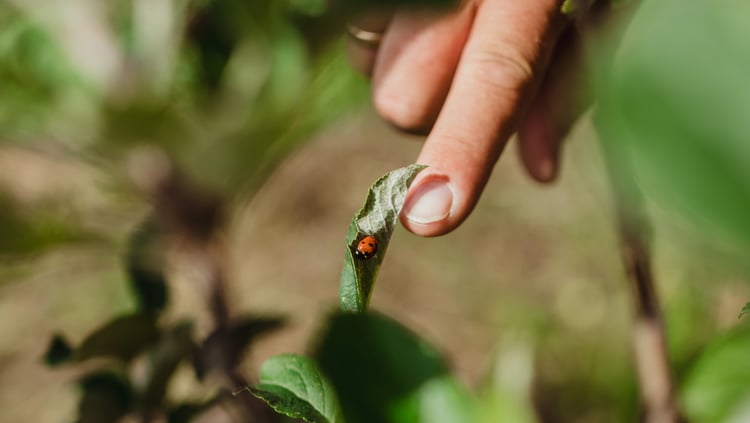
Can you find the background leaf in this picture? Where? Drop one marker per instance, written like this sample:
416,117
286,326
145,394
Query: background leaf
686,120
383,373
292,385
377,218
123,337
717,387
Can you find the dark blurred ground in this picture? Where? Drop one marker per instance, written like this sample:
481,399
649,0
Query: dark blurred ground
533,266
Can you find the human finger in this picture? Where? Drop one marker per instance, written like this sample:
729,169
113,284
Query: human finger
566,91
562,97
416,63
508,47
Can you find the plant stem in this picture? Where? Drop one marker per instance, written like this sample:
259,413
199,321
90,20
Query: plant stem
649,340
196,217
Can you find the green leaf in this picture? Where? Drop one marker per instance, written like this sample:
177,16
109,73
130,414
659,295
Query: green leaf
292,385
384,373
123,337
745,310
377,218
717,386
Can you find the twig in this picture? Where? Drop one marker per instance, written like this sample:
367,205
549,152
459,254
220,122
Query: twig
196,217
649,341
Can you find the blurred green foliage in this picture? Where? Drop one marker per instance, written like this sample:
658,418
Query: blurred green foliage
228,88
225,87
717,388
677,106
679,100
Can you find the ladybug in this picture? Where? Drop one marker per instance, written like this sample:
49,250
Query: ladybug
367,247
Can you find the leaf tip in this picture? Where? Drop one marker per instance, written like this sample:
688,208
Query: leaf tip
239,391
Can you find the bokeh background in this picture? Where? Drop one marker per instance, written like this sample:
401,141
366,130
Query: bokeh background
254,101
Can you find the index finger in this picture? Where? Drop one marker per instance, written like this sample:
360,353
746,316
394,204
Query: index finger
507,50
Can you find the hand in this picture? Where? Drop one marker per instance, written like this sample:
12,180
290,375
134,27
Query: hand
470,78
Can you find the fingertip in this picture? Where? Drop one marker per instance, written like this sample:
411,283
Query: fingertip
539,145
429,206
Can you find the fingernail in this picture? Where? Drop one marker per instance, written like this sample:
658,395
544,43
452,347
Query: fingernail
431,202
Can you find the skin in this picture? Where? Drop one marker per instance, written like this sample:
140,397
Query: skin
470,78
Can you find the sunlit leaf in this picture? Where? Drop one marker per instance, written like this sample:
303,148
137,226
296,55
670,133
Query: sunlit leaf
377,218
292,385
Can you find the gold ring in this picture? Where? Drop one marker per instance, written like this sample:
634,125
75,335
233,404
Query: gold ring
368,38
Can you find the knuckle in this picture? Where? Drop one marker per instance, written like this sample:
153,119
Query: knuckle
501,68
404,113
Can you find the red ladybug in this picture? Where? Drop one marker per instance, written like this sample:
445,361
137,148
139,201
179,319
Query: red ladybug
367,247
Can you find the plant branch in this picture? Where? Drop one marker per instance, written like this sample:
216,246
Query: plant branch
635,232
196,217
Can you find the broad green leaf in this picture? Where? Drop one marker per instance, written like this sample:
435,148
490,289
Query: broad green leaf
384,373
745,310
377,218
292,385
717,387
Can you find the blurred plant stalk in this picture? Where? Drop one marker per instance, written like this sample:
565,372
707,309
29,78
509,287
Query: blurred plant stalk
649,339
194,219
